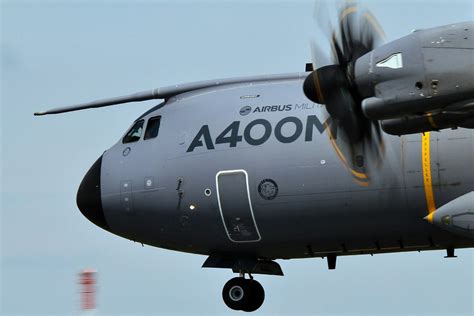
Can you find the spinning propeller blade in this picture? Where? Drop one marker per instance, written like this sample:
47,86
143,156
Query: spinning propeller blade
357,33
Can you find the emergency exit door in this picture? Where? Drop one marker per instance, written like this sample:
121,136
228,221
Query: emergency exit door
235,206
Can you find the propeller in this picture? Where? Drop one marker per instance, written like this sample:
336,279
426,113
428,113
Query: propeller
334,85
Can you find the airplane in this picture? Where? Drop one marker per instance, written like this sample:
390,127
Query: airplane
343,159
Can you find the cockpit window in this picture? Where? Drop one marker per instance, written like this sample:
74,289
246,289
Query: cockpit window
152,127
134,133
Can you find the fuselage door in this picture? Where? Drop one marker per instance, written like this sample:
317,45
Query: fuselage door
235,206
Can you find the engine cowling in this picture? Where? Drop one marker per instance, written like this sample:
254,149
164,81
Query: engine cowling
414,124
426,71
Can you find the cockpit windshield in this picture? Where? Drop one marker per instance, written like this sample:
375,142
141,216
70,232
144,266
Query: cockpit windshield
134,133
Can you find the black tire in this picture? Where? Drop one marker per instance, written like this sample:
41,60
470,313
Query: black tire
256,298
236,293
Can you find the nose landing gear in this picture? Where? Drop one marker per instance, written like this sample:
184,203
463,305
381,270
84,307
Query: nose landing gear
243,294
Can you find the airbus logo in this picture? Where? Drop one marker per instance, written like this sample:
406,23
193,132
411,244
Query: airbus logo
245,110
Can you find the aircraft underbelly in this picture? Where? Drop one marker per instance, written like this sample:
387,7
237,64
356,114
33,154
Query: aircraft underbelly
319,208
335,214
309,204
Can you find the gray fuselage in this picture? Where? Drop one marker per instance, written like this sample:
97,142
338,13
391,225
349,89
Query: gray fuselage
303,201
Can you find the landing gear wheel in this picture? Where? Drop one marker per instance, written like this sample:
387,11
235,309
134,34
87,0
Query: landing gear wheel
257,296
242,294
236,293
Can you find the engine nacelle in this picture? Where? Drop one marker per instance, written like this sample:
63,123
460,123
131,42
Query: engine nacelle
414,124
425,71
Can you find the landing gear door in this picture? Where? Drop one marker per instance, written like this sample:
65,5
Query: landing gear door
235,206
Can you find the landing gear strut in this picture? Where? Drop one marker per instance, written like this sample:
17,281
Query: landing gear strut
243,294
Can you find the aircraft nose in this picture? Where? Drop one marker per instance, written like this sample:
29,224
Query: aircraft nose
89,199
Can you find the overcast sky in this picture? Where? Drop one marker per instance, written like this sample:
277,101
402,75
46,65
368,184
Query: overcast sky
57,53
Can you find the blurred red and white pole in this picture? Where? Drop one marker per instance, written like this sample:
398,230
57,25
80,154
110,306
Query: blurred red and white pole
87,283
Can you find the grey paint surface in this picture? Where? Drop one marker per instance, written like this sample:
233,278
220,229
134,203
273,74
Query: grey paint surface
319,208
456,216
56,63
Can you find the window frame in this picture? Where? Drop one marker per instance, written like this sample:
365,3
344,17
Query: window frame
142,121
152,119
